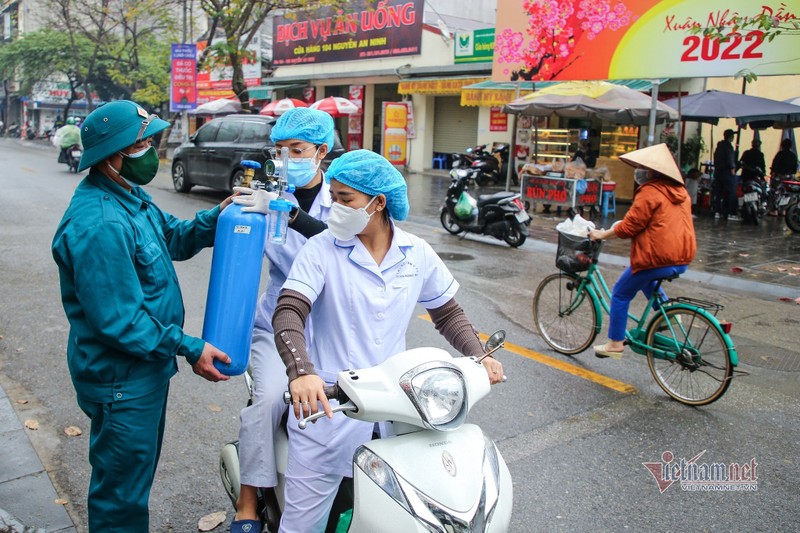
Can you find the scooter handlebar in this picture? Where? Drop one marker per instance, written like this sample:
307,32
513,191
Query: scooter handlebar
332,392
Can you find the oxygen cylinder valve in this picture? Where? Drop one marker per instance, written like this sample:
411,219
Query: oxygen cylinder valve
250,167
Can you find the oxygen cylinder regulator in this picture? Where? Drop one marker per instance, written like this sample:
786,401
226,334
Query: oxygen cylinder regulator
278,218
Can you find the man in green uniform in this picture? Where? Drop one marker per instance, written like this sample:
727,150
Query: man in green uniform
114,249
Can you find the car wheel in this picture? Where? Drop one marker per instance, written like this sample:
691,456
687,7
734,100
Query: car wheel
237,180
180,179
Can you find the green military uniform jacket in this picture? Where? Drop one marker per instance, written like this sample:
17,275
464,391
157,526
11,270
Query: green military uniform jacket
120,292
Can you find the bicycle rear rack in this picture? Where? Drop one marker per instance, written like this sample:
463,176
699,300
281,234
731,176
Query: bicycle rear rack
711,307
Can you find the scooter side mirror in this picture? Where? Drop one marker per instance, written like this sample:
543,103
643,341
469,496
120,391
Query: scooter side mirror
495,341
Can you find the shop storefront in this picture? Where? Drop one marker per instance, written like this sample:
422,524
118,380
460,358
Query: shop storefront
388,60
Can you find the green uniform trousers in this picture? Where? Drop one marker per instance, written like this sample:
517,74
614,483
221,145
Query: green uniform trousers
124,447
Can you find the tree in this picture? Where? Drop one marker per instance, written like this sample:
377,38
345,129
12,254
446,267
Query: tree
129,41
240,21
36,57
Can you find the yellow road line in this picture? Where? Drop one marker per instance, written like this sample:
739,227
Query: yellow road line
569,368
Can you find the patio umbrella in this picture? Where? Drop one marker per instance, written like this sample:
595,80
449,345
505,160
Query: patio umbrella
586,99
280,107
712,105
335,106
223,106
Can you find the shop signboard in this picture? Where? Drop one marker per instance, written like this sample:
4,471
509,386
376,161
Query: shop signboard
218,72
56,94
184,77
553,190
627,39
355,30
475,46
395,132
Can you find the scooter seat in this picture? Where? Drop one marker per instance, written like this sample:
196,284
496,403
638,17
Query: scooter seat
484,199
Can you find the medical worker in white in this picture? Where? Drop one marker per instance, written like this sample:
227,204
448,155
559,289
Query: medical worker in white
359,283
308,134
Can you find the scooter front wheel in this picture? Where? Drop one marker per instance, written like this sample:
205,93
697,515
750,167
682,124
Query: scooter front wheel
448,223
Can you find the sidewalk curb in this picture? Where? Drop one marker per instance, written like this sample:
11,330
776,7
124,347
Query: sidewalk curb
27,494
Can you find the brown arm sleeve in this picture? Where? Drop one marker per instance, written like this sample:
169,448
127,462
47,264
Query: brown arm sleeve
451,322
289,324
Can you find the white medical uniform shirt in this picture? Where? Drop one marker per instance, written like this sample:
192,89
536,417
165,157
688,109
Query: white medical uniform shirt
281,257
360,312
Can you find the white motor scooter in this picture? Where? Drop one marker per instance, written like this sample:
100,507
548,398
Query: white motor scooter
437,473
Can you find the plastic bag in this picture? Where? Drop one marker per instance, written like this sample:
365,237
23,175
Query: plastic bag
463,208
575,251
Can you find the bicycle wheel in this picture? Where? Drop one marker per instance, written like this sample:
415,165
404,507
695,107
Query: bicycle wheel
698,369
564,316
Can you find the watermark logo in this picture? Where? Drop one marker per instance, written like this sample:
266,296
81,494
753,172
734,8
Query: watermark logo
692,475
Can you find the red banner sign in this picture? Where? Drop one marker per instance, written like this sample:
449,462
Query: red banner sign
184,77
498,121
357,30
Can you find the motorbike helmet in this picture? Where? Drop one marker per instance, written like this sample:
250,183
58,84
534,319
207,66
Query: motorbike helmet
70,120
113,127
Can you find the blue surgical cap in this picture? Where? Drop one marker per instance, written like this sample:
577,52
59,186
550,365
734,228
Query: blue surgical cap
372,174
305,124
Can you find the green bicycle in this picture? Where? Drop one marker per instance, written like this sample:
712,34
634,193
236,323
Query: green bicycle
689,351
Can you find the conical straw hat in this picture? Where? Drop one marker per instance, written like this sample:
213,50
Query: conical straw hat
656,157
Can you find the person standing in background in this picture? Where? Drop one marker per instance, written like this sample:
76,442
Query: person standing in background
784,167
725,203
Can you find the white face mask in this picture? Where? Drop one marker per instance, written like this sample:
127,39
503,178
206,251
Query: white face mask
345,222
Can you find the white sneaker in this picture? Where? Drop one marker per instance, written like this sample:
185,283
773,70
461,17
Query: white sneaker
716,216
733,217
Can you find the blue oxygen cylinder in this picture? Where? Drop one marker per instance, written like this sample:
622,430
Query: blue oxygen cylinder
234,282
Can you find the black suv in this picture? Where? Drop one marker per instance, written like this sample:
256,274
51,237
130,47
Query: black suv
213,155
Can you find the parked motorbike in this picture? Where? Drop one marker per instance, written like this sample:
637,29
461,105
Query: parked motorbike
492,167
788,200
71,156
435,473
501,215
752,204
465,159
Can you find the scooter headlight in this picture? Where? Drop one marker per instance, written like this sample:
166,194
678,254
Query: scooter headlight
439,393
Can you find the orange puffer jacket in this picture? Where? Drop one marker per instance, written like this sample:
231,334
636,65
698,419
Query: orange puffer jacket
660,225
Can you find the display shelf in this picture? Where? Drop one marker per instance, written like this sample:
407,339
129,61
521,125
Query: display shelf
617,141
549,144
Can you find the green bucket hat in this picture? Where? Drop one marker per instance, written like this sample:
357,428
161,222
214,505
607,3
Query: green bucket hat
113,127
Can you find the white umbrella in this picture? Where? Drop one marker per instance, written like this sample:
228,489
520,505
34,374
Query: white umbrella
335,106
223,106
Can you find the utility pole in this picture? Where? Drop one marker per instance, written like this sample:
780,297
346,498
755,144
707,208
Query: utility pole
184,113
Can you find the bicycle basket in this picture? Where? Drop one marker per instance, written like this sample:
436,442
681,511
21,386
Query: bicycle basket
576,253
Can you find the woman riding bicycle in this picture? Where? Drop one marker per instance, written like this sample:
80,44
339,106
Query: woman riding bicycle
659,224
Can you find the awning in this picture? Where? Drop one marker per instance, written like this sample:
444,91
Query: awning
496,94
436,86
264,91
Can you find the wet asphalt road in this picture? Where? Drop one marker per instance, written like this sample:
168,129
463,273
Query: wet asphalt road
575,448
